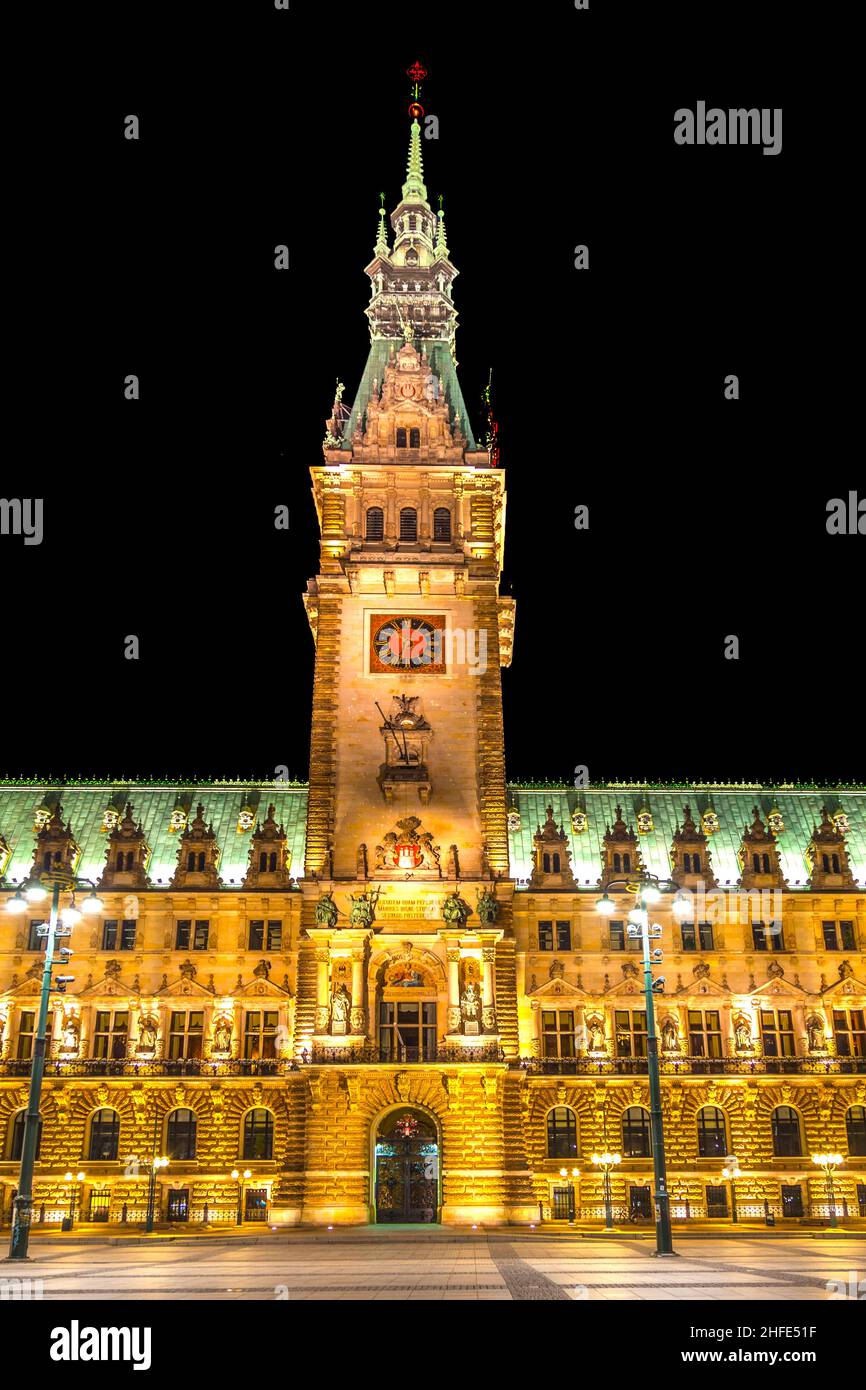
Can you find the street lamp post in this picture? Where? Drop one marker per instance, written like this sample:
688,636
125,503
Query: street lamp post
59,924
731,1171
575,1174
648,890
74,1180
606,1162
828,1163
240,1179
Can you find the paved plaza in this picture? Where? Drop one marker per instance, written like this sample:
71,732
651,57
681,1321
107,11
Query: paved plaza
413,1263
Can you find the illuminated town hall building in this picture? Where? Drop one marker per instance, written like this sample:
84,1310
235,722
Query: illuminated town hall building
388,995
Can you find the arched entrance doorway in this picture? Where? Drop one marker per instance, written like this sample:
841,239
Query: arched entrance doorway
406,1156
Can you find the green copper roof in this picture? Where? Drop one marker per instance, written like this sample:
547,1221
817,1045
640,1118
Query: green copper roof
800,808
414,189
441,364
83,805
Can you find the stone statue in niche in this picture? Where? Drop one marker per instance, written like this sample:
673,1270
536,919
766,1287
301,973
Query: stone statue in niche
455,910
147,1031
341,1005
743,1033
670,1035
222,1034
470,1008
488,907
71,1032
815,1033
595,1034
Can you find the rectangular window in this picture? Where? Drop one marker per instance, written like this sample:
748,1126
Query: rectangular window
407,1031
849,1028
185,1034
257,936
829,930
118,935
846,931
127,934
110,1034
109,934
697,934
617,936
777,1031
26,1032
545,936
759,936
260,1034
557,1032
630,1028
275,935
717,1201
181,940
199,942
688,932
776,936
705,1033
706,936
563,936
35,942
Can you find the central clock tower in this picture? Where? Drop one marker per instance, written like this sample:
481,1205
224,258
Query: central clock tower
405,606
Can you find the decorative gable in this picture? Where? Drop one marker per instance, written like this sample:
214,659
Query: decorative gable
759,857
56,848
127,856
620,855
270,859
691,864
827,856
552,867
198,856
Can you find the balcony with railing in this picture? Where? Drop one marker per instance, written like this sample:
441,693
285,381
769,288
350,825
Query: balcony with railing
694,1066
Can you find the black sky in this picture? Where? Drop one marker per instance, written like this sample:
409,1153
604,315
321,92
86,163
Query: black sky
707,517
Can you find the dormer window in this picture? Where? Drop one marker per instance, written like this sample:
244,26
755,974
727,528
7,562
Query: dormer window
692,863
408,523
622,863
375,524
441,524
551,863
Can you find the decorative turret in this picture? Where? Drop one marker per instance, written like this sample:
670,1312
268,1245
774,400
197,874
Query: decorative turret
759,856
552,867
620,855
56,848
269,863
691,865
827,856
198,856
127,855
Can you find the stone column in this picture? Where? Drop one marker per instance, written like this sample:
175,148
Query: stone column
488,1002
454,1019
358,1013
323,1003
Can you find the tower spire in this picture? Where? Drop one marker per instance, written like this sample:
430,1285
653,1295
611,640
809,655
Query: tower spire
381,247
414,189
441,247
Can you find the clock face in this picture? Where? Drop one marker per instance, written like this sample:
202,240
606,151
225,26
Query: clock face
407,642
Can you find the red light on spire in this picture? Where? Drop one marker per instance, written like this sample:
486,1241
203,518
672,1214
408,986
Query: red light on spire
416,72
416,110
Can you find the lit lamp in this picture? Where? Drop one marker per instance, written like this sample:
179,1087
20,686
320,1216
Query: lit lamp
606,1162
155,1165
828,1163
240,1178
606,906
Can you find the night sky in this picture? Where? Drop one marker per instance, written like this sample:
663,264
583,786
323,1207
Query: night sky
707,517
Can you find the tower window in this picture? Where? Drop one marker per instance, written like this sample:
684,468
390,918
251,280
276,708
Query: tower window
415,439
441,524
408,519
375,528
401,439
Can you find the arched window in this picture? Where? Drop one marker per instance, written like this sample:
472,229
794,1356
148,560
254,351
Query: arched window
855,1124
441,524
190,860
787,1139
756,863
375,528
555,861
545,863
836,869
636,1135
258,1134
180,1134
415,439
408,524
561,1132
401,439
104,1136
15,1142
617,864
766,863
626,863
712,1140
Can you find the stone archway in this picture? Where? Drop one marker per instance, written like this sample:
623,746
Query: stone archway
406,1157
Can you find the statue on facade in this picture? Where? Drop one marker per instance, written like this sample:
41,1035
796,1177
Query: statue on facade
363,909
326,911
222,1034
455,910
147,1031
341,1004
743,1033
488,907
71,1032
670,1035
595,1034
815,1033
470,1004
